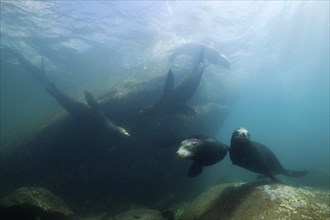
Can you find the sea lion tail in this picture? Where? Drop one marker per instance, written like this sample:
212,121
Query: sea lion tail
295,173
169,87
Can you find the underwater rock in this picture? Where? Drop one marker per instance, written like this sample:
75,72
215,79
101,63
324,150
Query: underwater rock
33,203
259,200
141,214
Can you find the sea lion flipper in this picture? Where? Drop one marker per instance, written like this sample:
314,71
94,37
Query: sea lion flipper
91,100
168,88
269,173
273,177
195,169
295,173
166,96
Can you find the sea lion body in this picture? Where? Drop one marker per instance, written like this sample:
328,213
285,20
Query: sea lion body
204,151
91,114
174,99
257,157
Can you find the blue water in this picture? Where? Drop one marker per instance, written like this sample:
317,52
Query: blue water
279,53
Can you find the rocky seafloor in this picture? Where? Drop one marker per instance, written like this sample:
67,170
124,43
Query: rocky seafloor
256,200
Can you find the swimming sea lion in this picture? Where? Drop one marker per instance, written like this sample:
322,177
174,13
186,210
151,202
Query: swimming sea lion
174,99
91,114
211,54
204,151
257,157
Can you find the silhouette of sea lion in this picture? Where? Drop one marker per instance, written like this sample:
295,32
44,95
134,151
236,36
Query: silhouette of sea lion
91,114
174,99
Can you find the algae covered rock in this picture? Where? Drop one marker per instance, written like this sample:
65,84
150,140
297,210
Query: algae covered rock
259,201
33,203
141,214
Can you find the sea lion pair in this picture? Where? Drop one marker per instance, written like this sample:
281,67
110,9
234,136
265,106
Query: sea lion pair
243,152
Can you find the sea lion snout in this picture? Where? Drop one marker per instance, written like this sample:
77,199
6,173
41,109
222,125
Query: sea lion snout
186,149
179,155
183,153
242,135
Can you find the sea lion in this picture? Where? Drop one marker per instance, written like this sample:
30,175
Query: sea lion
204,151
91,114
257,157
174,99
211,54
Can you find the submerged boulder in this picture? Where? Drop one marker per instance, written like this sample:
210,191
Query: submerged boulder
259,201
33,203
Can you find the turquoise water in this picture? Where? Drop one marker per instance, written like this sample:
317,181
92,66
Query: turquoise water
279,52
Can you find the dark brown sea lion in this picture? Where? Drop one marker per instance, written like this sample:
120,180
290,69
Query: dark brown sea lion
257,157
204,151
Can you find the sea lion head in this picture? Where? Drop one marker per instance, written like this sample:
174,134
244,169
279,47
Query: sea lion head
240,135
188,148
